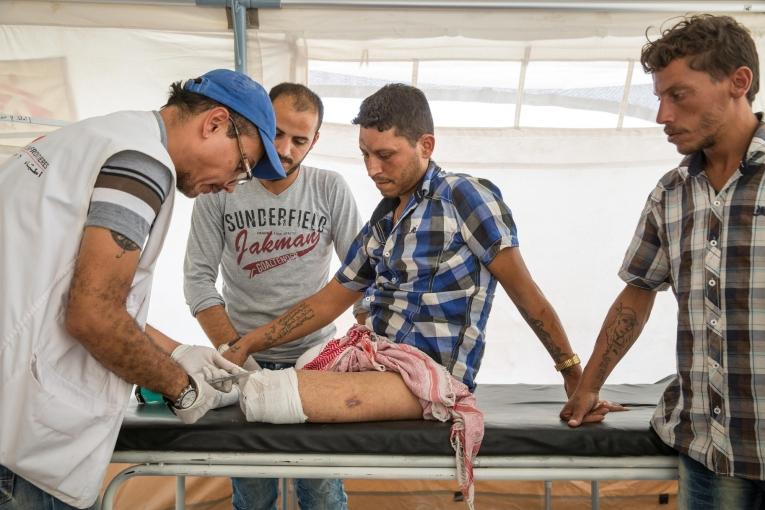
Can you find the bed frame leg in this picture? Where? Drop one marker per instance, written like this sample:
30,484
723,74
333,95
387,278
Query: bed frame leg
180,492
595,495
548,495
284,493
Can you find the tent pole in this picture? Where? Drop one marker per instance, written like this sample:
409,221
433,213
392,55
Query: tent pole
239,18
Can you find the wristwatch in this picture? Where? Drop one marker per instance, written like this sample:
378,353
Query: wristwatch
186,398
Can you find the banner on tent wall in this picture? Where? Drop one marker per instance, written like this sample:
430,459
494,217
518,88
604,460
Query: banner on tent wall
36,89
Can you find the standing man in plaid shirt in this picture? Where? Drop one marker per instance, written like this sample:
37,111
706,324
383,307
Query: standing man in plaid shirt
702,232
427,264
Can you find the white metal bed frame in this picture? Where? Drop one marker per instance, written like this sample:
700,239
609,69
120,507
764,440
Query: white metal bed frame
390,467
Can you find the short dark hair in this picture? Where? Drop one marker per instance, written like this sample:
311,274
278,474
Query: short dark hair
303,98
398,106
717,45
191,103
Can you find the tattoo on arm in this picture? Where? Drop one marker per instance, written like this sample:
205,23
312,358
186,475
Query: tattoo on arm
538,327
234,344
294,318
124,243
620,334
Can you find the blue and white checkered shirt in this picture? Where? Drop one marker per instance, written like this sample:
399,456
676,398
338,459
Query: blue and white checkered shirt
425,278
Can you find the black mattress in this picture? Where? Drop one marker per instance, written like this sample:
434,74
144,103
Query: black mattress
520,419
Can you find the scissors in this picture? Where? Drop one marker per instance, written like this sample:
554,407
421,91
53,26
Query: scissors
234,377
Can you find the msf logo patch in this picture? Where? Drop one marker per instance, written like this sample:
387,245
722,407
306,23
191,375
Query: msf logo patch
34,161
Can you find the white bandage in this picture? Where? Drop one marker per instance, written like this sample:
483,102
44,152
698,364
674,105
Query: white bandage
272,396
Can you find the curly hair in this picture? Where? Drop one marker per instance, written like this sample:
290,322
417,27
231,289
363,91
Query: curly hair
717,45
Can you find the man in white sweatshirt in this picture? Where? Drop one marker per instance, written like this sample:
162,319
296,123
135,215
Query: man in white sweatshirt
85,213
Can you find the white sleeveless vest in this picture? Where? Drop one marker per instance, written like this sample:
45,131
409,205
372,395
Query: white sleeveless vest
60,409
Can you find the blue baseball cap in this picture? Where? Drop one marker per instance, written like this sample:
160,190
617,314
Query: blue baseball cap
249,99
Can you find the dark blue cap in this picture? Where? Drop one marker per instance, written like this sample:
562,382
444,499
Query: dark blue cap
249,99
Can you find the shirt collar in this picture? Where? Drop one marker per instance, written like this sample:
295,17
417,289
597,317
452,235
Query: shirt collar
424,188
697,161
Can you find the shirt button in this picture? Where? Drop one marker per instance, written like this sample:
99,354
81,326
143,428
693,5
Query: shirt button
713,322
387,254
367,299
394,279
716,202
716,410
715,365
712,283
371,298
713,242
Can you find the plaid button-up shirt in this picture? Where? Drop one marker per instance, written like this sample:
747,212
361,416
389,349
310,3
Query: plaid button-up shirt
424,277
710,248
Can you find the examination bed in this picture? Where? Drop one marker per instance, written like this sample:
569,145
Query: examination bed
523,440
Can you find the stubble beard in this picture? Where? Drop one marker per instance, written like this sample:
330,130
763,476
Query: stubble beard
707,125
182,183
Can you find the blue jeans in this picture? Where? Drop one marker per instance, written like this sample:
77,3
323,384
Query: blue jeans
261,494
312,494
701,489
18,494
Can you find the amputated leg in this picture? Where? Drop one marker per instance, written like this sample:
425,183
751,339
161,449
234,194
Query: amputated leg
295,396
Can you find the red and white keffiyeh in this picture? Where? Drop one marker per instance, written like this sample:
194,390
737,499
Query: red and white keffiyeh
442,397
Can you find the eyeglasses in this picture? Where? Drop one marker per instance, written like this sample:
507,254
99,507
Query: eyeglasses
241,177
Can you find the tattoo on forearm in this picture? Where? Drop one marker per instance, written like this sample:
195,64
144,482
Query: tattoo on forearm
295,318
538,327
123,242
352,402
620,334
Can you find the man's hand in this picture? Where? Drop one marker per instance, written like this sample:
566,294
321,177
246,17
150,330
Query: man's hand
236,354
207,398
571,377
216,374
586,407
193,358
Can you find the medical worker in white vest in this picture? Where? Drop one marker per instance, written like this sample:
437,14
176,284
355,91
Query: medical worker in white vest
85,211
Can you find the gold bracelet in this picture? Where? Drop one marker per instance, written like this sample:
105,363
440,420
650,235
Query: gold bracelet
566,363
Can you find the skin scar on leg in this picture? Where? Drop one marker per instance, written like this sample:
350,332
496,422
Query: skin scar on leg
360,396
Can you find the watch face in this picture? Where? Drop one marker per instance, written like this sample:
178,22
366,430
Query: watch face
188,398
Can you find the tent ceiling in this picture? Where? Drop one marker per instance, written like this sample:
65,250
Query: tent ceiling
598,5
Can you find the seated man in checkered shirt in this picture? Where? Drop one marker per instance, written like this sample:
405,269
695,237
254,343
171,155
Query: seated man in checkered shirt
427,264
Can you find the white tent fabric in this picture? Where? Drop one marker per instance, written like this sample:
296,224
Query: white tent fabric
576,192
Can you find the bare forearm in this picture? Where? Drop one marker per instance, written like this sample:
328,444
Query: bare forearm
510,269
306,317
161,340
298,321
622,326
546,325
217,325
119,344
96,314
